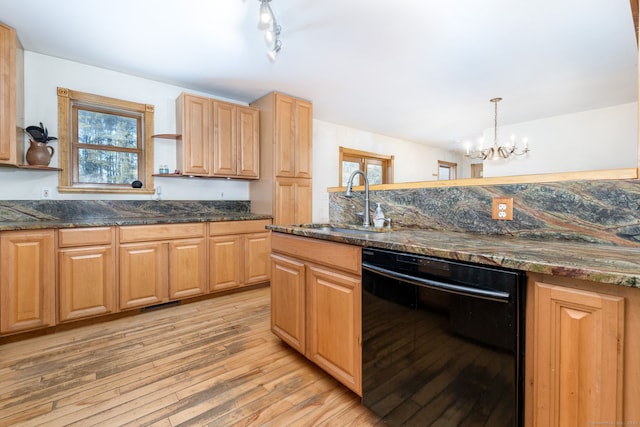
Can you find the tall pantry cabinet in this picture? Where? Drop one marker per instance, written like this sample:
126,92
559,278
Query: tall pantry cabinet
284,189
11,97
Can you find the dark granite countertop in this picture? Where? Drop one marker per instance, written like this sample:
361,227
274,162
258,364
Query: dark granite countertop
619,265
133,220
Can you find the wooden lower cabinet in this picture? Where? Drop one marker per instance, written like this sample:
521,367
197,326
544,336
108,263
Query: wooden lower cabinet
316,304
86,273
162,263
27,280
582,361
238,254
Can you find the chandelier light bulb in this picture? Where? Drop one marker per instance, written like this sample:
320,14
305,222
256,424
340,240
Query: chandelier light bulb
265,16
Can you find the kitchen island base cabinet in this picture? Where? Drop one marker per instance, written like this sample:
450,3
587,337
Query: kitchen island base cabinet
27,280
582,341
316,303
86,273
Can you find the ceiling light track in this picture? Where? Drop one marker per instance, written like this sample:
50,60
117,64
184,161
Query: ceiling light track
268,22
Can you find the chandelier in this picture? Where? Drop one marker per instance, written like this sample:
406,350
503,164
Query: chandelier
267,21
496,151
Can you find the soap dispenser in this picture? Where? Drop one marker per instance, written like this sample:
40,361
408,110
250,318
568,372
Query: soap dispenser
378,217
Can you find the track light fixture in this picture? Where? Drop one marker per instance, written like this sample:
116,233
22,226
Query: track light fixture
267,21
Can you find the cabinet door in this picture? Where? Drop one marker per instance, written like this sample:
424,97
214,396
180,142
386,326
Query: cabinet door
143,274
578,348
86,284
334,324
284,202
187,268
196,135
224,139
303,201
304,137
288,301
248,128
284,136
225,265
257,267
8,96
27,280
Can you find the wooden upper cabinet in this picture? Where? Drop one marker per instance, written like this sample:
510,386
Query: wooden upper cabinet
218,138
194,123
27,280
248,142
293,137
225,155
11,97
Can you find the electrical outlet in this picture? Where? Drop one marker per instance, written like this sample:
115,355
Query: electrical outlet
502,208
45,193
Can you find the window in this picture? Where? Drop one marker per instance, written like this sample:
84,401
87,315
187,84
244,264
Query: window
105,144
447,170
379,168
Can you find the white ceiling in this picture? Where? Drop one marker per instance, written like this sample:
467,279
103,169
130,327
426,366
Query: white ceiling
420,70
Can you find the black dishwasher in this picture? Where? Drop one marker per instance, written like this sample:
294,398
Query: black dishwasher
443,341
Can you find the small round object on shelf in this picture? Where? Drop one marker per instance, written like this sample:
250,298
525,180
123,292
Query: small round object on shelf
136,184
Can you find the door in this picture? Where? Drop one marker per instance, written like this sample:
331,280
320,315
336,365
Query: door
288,301
86,282
578,353
248,141
334,318
304,138
27,280
224,139
187,268
143,274
285,138
257,248
226,262
196,135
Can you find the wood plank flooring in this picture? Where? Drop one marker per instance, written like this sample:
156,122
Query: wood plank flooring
208,363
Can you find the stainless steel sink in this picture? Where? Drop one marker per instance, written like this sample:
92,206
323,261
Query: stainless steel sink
346,229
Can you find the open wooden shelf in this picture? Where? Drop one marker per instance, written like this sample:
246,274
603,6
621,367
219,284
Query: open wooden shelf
36,167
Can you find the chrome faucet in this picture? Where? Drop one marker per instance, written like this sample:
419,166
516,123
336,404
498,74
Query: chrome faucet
365,215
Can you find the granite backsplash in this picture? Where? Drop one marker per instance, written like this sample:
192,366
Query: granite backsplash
61,210
604,211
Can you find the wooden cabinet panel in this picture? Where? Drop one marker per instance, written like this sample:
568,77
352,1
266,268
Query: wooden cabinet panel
288,318
256,249
334,324
285,138
293,198
27,280
143,274
225,271
187,268
11,97
194,123
144,233
238,227
304,138
86,284
85,236
224,139
248,141
304,200
578,357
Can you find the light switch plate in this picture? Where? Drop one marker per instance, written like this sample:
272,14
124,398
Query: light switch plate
502,208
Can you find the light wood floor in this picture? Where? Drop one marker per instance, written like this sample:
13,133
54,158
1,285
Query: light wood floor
208,363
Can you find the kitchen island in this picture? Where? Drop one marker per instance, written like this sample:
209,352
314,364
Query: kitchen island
582,312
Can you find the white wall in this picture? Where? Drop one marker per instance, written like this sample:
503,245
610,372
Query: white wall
599,139
43,74
412,162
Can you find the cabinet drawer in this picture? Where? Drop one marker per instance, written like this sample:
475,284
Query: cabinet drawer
142,233
85,236
238,227
336,255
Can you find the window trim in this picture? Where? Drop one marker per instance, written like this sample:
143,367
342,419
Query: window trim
387,172
66,99
453,169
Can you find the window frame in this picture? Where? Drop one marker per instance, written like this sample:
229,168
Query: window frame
451,166
67,100
365,158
